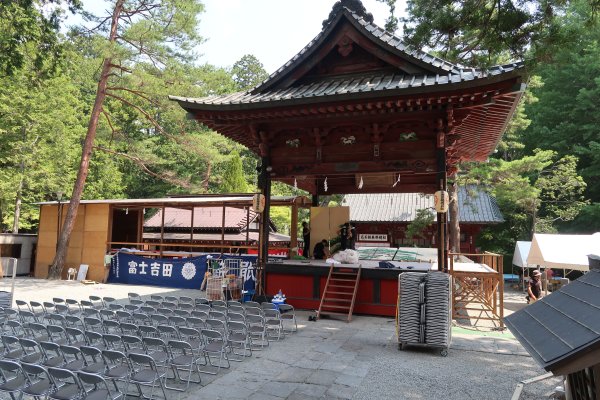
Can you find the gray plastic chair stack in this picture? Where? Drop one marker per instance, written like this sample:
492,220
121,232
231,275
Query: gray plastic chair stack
424,310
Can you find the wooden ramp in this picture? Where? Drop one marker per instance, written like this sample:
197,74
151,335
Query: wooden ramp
340,291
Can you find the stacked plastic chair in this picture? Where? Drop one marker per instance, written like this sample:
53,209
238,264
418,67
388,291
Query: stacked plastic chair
424,314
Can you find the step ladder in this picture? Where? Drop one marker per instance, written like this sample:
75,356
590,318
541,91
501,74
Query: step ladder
340,291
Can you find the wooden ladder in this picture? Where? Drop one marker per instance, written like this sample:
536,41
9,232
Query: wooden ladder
340,291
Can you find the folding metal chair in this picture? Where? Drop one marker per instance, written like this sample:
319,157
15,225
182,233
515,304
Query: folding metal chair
145,373
141,318
93,324
273,324
52,355
182,313
237,317
159,319
22,305
133,344
133,296
200,301
66,385
176,320
94,363
183,358
49,307
117,368
62,309
38,332
197,323
27,316
217,325
288,313
157,297
37,309
221,316
127,328
111,326
185,300
251,304
76,337
12,378
32,353
108,315
12,347
15,327
57,334
171,305
148,310
113,342
168,332
58,300
97,302
124,316
193,337
74,321
148,331
95,339
99,388
257,330
132,307
85,304
153,303
39,383
74,306
219,308
115,306
171,299
238,338
107,301
219,303
158,350
205,307
215,347
73,357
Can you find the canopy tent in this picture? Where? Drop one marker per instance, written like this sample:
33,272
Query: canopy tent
520,255
563,251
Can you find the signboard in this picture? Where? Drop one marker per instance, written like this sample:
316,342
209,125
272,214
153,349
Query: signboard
373,237
82,273
187,273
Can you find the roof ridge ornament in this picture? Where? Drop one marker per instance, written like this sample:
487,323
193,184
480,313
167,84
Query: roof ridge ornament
355,6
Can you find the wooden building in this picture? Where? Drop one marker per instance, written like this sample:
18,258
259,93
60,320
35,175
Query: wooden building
382,219
358,111
104,226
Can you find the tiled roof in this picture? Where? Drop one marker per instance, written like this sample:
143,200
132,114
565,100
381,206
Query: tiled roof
353,85
475,206
204,218
562,325
439,73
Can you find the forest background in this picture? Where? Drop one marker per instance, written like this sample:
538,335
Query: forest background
545,173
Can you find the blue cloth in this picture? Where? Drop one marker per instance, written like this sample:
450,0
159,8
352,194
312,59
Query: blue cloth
186,273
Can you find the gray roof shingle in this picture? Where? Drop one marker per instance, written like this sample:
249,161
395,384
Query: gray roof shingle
561,325
475,206
438,72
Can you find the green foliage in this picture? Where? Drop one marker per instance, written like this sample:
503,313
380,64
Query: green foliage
534,193
565,119
423,219
248,72
29,34
233,178
485,32
391,23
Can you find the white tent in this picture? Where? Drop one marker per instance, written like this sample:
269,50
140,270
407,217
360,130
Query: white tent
521,253
563,251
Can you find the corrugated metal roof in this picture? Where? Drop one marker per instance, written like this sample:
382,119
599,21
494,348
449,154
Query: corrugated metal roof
475,206
562,325
204,218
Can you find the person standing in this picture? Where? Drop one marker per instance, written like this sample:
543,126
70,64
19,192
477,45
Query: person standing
306,239
344,233
534,290
352,237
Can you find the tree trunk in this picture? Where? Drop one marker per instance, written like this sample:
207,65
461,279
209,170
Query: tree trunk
454,217
207,176
17,214
63,242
